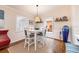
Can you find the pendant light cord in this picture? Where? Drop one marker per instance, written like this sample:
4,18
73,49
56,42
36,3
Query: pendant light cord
36,4
37,9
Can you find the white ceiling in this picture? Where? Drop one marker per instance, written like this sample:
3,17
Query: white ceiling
33,10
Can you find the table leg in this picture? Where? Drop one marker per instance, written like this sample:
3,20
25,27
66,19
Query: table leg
35,41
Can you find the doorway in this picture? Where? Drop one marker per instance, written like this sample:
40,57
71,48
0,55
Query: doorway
49,27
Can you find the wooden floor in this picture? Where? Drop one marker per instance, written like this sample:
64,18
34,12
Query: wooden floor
51,46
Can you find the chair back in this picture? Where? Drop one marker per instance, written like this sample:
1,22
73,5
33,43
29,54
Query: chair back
43,28
25,31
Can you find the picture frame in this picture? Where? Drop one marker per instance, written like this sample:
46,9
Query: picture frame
2,19
1,14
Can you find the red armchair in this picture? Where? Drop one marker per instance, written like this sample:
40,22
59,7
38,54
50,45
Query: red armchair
4,39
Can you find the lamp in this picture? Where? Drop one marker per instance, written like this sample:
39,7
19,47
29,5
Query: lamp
37,18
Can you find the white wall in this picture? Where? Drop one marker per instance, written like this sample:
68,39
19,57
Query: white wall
10,22
75,24
64,10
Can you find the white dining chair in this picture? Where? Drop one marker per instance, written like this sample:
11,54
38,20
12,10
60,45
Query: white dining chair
41,36
29,38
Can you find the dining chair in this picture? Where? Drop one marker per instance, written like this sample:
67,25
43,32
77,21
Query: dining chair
29,38
41,36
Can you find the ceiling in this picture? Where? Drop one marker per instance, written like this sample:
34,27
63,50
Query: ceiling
33,10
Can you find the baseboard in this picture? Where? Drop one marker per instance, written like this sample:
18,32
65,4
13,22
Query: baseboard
14,43
54,38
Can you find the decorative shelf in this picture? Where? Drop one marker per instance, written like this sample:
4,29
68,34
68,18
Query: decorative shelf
61,20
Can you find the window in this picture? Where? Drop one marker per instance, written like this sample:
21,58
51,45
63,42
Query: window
21,23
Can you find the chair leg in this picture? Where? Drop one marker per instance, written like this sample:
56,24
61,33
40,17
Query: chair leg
43,42
28,46
25,43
